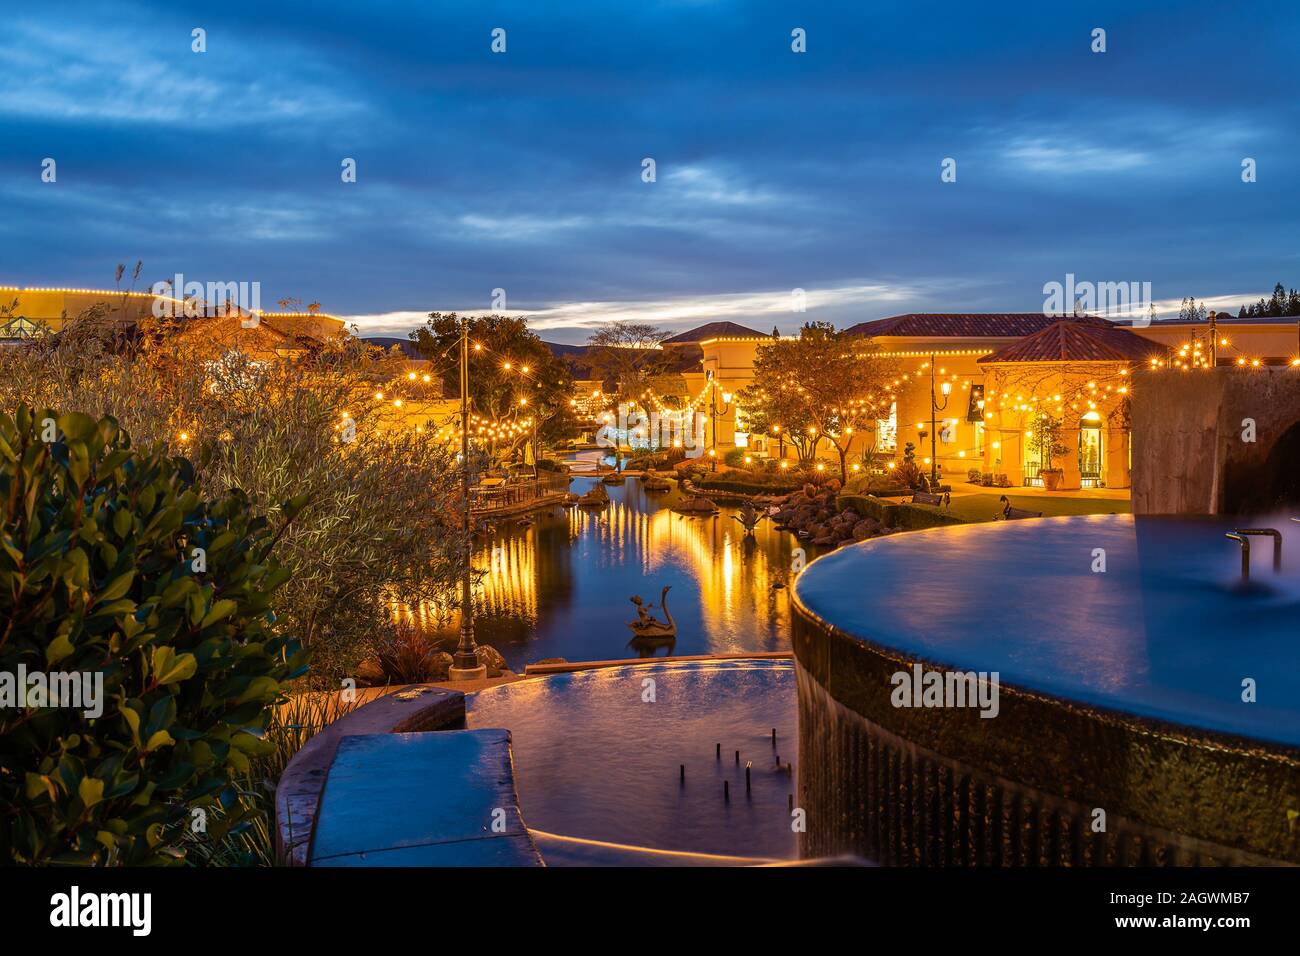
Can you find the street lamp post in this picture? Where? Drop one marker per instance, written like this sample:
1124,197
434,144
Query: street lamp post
935,409
713,414
465,663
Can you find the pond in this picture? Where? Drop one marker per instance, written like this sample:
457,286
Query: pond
558,583
667,763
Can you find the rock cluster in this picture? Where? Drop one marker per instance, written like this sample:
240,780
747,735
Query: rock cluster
696,506
813,516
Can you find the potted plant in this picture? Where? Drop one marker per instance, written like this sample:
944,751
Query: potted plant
1045,439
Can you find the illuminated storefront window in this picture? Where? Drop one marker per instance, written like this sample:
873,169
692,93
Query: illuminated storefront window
887,429
1090,450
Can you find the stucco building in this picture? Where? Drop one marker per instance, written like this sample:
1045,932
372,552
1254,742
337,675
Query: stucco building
1001,373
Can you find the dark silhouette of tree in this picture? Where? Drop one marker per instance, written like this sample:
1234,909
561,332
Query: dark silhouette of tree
1282,302
624,354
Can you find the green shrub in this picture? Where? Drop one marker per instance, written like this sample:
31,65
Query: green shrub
735,458
112,566
550,464
911,517
383,529
750,482
693,471
905,516
882,486
868,506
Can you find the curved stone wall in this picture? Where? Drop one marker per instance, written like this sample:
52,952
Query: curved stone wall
927,787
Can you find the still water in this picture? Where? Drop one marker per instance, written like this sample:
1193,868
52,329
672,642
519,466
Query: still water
560,586
647,764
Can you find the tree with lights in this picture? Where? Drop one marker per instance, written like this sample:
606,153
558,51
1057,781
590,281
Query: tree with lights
518,388
821,385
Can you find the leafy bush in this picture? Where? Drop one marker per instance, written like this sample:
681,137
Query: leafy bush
382,529
904,516
865,505
113,568
750,482
693,471
882,486
550,464
735,458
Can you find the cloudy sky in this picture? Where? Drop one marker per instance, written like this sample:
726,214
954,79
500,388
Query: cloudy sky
774,170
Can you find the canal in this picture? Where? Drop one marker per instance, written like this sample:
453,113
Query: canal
558,583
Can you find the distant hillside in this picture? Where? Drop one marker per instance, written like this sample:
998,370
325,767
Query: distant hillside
388,341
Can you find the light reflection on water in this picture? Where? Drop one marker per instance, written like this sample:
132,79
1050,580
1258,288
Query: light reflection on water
560,587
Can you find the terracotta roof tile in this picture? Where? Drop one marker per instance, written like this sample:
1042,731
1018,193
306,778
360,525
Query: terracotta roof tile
957,324
715,330
1078,340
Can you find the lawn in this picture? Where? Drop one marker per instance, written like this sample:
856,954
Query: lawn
984,507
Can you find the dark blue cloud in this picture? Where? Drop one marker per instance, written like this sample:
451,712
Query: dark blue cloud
775,170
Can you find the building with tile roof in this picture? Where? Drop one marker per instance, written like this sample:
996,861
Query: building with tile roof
1078,340
714,331
976,325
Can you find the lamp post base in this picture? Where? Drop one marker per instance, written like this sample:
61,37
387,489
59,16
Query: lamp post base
467,673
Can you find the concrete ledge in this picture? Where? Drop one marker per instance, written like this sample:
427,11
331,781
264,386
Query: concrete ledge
422,799
535,670
298,794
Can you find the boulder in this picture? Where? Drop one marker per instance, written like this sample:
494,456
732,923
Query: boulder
491,658
439,665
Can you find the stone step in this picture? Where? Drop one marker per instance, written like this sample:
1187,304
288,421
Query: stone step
444,798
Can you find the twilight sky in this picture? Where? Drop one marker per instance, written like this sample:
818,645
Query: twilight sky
775,170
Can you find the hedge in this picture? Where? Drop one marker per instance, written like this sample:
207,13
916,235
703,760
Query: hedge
722,483
907,517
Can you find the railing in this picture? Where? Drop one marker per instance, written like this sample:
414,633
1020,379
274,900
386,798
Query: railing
509,495
1242,537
